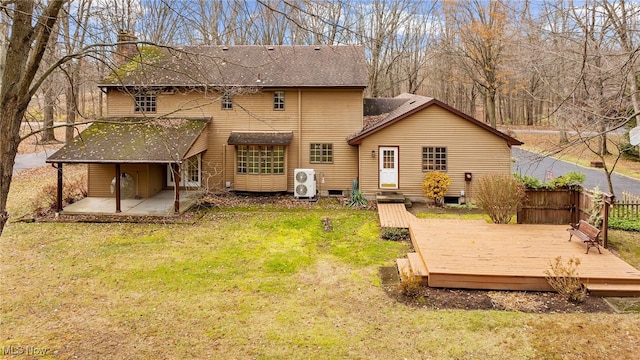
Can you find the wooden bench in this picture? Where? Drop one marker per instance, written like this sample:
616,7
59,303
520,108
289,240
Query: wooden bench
588,233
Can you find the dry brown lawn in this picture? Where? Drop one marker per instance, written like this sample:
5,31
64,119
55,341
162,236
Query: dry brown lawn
33,144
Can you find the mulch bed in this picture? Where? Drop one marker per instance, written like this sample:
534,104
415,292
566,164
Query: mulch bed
530,302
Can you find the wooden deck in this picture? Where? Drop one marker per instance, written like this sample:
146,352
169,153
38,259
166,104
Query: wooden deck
394,216
477,255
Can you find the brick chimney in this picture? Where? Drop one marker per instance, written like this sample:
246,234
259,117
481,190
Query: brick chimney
125,47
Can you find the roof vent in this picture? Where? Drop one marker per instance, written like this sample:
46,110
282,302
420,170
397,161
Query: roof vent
225,48
316,48
270,48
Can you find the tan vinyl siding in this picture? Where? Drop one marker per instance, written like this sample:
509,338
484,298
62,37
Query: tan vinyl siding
99,180
200,145
251,112
148,178
469,149
156,178
261,183
329,117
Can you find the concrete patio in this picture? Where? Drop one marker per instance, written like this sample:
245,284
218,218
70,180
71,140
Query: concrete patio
160,204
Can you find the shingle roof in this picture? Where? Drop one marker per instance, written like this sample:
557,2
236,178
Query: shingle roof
132,140
260,138
406,105
253,66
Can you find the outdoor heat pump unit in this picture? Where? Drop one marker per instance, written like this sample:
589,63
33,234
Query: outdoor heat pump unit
304,183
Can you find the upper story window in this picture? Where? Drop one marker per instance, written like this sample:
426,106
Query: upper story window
278,100
227,101
434,158
321,153
145,103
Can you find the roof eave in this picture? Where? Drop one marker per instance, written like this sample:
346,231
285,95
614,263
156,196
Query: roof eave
110,161
350,86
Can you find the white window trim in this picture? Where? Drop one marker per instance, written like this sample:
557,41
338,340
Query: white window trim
183,175
278,100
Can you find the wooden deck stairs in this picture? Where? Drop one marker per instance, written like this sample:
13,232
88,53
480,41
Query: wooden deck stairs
476,255
394,215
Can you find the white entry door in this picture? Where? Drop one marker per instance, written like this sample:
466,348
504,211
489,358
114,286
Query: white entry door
388,167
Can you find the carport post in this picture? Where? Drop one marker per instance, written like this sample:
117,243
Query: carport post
118,207
59,193
176,187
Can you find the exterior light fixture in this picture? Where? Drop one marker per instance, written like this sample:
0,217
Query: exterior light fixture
373,153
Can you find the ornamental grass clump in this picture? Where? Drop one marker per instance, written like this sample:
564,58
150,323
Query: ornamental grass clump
564,279
500,196
409,284
357,199
435,186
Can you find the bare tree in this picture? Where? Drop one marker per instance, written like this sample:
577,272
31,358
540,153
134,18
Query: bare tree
74,35
27,44
481,31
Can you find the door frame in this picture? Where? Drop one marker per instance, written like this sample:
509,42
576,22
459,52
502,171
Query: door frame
396,161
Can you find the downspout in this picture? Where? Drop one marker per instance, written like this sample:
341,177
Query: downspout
299,128
224,166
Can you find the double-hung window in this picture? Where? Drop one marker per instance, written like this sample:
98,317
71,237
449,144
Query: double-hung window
227,101
434,158
321,153
278,100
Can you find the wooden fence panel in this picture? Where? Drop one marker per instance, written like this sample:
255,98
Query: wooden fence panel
562,206
549,207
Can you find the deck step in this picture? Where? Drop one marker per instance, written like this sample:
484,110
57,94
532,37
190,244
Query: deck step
616,290
403,266
417,265
390,198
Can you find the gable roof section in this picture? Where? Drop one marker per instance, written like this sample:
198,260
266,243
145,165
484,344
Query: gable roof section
132,140
411,105
244,66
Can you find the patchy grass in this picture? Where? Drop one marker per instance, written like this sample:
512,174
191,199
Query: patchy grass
254,282
627,245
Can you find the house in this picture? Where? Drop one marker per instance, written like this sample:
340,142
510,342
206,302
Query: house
409,135
244,118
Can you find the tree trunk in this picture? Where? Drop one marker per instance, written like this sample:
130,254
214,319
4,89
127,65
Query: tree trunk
491,108
10,122
602,140
49,107
70,97
24,55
